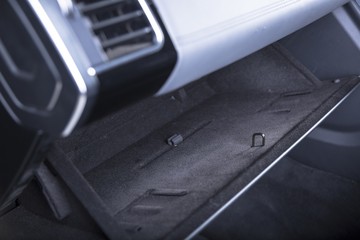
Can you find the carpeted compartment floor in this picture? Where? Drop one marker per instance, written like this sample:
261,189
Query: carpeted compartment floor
166,192
154,187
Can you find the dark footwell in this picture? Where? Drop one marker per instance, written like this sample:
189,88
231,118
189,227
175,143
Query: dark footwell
292,201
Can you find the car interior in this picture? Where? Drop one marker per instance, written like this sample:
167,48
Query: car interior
179,119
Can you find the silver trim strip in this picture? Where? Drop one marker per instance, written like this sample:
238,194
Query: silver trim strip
232,200
68,60
159,43
67,7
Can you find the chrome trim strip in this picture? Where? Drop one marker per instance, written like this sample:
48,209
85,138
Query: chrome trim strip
68,60
159,43
233,199
67,7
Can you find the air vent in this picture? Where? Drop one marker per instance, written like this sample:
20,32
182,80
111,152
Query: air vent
122,27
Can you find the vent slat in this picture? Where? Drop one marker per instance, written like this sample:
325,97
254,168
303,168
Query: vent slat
98,5
119,27
116,20
126,37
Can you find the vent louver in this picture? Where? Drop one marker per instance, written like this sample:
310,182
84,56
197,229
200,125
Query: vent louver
122,27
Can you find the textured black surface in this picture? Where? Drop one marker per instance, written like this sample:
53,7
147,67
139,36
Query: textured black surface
292,201
85,194
155,190
151,186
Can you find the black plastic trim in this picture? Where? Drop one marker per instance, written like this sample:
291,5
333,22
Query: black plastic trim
135,80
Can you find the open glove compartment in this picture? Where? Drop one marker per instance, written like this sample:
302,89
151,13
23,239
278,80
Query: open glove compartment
165,165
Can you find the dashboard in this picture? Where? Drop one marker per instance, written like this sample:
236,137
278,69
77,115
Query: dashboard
64,63
89,57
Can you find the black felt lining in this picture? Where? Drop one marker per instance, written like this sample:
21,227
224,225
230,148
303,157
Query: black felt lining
127,161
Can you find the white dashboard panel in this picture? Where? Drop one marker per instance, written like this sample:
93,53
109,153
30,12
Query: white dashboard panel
210,34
